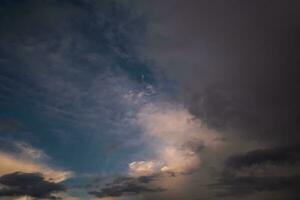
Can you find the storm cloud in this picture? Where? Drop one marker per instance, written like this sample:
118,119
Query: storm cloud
236,65
236,62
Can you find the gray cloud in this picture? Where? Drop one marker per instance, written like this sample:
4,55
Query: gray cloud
236,66
30,184
260,173
241,186
123,186
236,62
274,156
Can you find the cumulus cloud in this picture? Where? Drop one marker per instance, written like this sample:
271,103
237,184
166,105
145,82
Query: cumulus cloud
142,168
169,130
175,140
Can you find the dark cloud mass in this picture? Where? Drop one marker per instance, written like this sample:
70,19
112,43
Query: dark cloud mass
242,186
274,170
275,156
237,62
123,186
30,184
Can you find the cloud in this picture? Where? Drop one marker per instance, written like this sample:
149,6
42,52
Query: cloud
241,186
235,66
142,168
63,55
124,186
169,129
174,124
31,184
22,149
261,174
11,164
16,156
274,156
174,141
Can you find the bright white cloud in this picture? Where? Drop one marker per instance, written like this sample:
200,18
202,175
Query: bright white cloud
142,168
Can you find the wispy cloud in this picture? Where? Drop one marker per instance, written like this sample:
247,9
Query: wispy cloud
24,158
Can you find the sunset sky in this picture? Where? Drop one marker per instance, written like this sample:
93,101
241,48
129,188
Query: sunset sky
149,100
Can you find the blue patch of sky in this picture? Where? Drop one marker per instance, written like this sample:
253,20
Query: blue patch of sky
40,42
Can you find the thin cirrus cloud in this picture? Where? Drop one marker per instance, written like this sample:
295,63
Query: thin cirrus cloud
24,158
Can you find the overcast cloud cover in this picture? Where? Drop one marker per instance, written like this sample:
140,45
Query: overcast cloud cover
173,99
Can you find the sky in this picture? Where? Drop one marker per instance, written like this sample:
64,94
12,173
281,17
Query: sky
149,100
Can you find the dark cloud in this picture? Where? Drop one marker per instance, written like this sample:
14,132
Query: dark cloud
30,184
147,179
275,156
239,186
237,66
127,186
272,170
236,62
